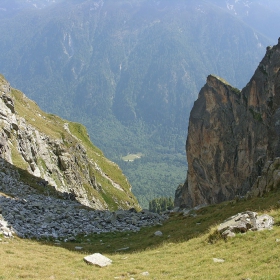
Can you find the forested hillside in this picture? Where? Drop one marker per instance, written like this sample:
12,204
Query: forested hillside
129,71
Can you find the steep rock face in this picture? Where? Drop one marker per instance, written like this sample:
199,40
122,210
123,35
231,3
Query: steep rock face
269,179
59,154
231,135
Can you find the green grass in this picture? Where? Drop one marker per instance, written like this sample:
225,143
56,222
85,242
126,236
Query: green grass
43,122
221,79
54,127
235,90
256,115
109,168
17,158
183,252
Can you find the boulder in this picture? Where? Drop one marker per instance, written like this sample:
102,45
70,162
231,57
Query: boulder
98,260
158,233
243,222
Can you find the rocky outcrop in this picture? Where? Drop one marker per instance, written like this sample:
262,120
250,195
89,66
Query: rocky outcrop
59,154
243,222
232,135
269,179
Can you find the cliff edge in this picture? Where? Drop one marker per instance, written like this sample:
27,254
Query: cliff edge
232,136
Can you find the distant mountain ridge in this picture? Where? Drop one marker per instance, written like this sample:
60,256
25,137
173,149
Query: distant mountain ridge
261,15
12,7
129,71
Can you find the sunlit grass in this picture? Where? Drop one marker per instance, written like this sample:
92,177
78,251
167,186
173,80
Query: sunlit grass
109,194
183,252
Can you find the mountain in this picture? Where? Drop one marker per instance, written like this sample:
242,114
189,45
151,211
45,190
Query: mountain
233,143
55,156
129,71
261,15
10,8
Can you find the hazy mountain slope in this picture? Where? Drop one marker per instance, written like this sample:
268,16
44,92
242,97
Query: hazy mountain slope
130,72
261,15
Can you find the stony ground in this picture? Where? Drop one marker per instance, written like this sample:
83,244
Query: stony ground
27,214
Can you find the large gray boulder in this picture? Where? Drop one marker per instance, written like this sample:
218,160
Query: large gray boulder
245,221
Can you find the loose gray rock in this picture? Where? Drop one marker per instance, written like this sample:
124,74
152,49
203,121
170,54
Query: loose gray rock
30,215
186,212
122,249
245,221
264,222
228,233
158,233
176,209
5,229
218,260
98,260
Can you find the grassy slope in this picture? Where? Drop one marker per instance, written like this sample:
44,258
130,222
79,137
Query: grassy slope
183,252
108,167
53,126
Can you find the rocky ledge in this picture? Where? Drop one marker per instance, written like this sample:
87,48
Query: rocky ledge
27,214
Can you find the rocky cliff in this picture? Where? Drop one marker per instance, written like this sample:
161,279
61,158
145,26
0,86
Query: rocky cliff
233,136
53,155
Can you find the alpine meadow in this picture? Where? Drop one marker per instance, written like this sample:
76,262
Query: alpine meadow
110,107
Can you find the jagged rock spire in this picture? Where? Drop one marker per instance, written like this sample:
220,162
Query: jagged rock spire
232,134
